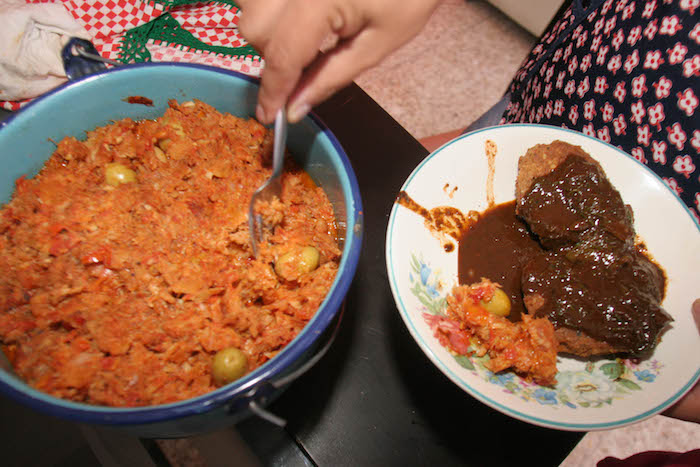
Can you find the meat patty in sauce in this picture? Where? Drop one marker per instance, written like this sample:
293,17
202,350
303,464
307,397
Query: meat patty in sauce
599,289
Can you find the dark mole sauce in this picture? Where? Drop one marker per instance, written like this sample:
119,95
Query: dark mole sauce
592,278
571,242
496,247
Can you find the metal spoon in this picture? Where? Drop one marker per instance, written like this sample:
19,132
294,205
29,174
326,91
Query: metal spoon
273,186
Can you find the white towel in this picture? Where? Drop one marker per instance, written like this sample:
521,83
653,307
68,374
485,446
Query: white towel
31,39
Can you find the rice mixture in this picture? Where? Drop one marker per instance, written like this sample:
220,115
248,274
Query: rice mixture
126,262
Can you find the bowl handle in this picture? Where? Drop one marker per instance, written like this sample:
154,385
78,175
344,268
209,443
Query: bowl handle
259,395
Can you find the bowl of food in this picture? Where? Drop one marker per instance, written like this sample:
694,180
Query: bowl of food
130,293
530,265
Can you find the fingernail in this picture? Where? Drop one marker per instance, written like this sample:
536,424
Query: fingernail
260,113
297,111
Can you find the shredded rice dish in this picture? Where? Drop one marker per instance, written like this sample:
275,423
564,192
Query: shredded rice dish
126,262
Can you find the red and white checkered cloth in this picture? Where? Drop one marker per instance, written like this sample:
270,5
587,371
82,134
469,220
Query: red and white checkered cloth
106,21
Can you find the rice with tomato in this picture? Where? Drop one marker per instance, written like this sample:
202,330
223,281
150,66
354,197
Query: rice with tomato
127,262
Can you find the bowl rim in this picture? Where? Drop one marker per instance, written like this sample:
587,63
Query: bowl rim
244,388
399,295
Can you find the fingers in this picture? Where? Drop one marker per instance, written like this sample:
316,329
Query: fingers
289,35
355,34
385,27
334,70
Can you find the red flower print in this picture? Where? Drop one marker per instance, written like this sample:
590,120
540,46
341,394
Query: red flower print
670,25
536,90
549,74
676,135
607,112
557,56
583,87
598,26
601,85
615,63
560,79
585,63
591,17
643,135
577,32
588,130
677,53
581,39
638,153
620,125
600,59
695,142
658,149
690,5
540,112
684,165
548,109
691,66
606,7
604,134
627,12
547,90
573,64
651,29
653,60
649,8
663,87
567,51
589,109
638,112
595,43
570,88
656,115
620,92
634,35
639,86
573,114
631,61
673,185
620,5
687,101
558,107
695,33
610,25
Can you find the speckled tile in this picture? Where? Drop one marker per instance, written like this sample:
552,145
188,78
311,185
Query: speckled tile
443,80
452,72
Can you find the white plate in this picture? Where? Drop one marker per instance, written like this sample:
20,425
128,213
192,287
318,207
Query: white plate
594,395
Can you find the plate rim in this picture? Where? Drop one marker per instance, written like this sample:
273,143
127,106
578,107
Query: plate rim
430,353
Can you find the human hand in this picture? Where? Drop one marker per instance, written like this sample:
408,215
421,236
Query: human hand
688,408
354,36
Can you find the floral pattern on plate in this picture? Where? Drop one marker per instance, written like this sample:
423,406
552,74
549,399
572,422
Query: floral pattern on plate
593,385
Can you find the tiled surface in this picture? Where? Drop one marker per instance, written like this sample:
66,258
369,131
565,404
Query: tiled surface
452,72
443,80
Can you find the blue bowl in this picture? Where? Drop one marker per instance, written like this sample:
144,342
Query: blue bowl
26,141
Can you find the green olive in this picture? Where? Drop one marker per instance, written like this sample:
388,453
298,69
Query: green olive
499,303
298,261
116,174
228,365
